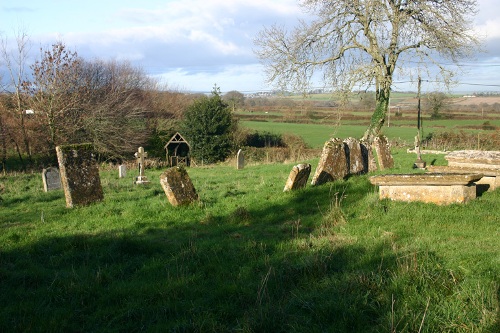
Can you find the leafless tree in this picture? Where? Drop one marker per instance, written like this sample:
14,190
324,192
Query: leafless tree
14,104
54,92
364,42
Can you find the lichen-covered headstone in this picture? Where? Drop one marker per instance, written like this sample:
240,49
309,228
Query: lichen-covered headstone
178,186
79,174
383,150
51,179
369,163
240,160
332,164
354,157
298,177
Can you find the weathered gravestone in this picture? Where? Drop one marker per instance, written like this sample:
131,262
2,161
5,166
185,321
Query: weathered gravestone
240,160
332,164
383,149
79,174
178,186
122,171
354,156
51,179
298,177
369,163
141,155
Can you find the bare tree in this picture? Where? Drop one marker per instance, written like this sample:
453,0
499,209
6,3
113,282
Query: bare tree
363,42
14,105
54,92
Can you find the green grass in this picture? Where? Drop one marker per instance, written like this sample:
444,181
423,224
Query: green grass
247,257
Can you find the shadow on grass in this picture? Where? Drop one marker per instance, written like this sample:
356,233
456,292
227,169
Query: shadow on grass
248,270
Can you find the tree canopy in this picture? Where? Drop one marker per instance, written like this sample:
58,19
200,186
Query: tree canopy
362,43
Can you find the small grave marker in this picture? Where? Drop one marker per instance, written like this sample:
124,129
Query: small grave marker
51,179
141,155
298,177
79,174
122,171
178,186
240,160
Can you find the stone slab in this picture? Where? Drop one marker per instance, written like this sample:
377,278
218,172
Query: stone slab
383,150
439,195
491,177
440,189
240,160
354,156
298,177
483,159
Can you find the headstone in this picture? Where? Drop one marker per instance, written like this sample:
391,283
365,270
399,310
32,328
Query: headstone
122,171
354,156
51,179
383,150
178,186
332,164
298,177
141,155
369,163
240,160
79,174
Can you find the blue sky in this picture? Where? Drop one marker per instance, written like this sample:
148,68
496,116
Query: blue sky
194,44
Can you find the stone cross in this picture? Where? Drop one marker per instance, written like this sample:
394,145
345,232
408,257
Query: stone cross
141,155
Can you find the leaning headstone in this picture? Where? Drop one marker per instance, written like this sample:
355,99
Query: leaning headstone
79,174
122,171
141,155
354,156
332,164
369,163
51,179
240,160
298,177
383,150
178,186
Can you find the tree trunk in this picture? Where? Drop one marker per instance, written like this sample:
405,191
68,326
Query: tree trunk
378,116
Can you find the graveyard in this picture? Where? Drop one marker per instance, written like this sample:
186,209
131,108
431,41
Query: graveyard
243,254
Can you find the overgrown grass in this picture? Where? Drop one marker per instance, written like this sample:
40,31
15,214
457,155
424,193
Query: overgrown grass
247,257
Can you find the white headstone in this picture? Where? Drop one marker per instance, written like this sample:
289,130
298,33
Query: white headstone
141,155
122,171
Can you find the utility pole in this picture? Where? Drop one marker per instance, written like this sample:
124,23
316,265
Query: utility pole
418,163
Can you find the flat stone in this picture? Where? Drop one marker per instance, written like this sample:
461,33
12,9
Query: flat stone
486,159
491,177
426,179
440,189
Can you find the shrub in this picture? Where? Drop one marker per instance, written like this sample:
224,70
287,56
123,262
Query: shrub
208,125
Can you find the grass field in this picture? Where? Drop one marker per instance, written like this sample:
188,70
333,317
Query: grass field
247,257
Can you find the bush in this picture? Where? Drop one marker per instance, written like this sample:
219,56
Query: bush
208,126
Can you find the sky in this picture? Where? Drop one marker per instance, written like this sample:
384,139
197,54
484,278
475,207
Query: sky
192,45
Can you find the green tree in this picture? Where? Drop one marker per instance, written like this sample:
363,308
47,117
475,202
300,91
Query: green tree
208,125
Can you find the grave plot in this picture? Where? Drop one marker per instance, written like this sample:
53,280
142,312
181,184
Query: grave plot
441,189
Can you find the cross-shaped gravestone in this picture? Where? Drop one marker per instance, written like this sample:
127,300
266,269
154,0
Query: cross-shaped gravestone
141,155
